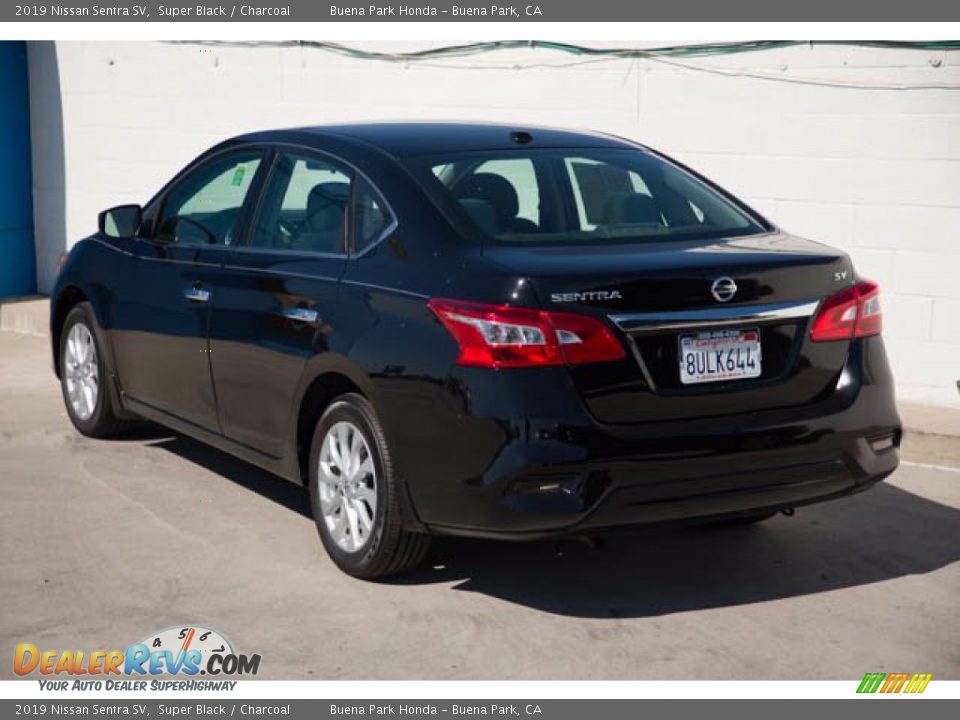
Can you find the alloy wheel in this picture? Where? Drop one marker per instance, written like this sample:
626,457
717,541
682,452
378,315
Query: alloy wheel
81,371
347,486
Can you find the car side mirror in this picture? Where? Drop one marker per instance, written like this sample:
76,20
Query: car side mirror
121,222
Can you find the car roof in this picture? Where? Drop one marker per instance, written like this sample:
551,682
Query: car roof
402,139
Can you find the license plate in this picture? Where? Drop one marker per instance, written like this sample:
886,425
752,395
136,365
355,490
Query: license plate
719,355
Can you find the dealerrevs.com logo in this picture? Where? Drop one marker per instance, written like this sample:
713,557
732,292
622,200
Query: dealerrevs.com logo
184,651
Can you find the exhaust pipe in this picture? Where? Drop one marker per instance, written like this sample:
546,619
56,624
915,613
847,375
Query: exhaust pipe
788,512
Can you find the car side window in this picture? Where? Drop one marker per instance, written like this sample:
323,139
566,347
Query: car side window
371,217
304,206
204,208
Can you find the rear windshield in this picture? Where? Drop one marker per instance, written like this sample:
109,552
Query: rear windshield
578,196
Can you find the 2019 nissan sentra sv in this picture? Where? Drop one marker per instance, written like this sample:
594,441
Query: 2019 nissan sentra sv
480,330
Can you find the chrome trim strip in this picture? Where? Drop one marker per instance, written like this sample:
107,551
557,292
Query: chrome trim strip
713,317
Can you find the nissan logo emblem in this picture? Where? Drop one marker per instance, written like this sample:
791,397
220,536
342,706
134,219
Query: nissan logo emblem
723,289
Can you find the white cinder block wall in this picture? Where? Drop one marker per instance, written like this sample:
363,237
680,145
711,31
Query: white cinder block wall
875,171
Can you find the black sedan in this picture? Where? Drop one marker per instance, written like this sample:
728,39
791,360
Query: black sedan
486,330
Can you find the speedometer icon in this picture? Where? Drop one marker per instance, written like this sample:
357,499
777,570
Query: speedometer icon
184,638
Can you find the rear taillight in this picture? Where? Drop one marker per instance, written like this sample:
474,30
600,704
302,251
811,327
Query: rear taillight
498,336
851,313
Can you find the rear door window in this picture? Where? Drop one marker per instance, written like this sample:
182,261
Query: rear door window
305,206
371,217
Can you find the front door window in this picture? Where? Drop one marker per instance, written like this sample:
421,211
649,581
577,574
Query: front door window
204,208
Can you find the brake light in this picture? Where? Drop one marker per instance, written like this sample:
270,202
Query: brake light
499,336
851,313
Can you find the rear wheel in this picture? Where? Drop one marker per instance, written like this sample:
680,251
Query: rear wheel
83,377
354,494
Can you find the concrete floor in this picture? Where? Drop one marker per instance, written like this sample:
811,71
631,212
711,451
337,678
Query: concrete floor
103,542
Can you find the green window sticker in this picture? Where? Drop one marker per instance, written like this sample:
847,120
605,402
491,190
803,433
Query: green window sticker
238,175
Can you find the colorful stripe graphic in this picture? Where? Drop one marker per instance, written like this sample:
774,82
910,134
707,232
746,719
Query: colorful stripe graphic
894,682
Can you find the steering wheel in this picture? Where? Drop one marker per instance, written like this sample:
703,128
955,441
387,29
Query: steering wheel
205,232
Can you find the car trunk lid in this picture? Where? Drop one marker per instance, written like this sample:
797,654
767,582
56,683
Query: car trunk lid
655,294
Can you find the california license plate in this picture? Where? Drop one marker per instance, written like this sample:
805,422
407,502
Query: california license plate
719,355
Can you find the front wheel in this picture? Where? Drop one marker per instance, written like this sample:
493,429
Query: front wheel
83,376
354,494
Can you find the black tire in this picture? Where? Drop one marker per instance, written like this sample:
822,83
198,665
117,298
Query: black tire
742,520
389,549
103,421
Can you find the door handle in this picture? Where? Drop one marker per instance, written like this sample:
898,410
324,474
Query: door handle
196,294
301,314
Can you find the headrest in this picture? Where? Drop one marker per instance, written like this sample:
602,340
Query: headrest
326,205
629,208
495,190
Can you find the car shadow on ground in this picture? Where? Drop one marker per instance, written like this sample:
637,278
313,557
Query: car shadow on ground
882,534
879,535
285,493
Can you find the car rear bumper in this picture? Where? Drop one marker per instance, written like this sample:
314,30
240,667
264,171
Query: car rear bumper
563,511
547,468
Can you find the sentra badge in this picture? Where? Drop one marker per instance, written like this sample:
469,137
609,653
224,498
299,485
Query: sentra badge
571,297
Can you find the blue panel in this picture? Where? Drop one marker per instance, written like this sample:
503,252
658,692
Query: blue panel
18,274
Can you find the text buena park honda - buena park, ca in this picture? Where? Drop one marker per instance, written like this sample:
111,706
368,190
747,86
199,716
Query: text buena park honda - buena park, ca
431,11
429,709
